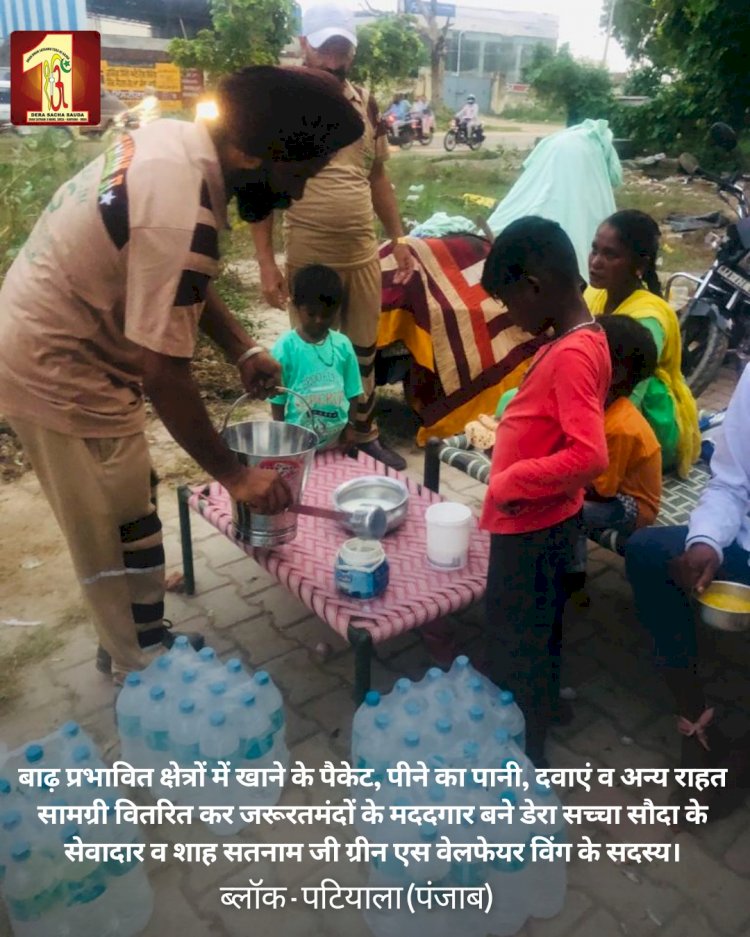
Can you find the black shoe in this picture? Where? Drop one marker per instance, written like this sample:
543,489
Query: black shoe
376,450
159,635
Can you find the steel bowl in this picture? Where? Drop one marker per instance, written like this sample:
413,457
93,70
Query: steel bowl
720,618
390,494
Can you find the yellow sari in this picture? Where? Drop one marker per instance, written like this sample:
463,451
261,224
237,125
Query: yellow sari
641,304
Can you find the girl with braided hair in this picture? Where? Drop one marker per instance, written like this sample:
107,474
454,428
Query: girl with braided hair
623,281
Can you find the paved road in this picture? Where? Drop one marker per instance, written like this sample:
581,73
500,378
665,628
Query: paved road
522,138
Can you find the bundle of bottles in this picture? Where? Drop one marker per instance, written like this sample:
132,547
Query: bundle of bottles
457,719
45,893
187,707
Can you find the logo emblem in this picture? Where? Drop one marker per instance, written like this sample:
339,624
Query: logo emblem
55,77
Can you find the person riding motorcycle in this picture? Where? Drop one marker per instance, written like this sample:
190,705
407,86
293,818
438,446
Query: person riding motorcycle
467,116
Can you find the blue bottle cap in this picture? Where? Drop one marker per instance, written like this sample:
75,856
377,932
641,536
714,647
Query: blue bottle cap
475,685
462,661
34,753
543,790
70,730
412,707
429,832
217,719
81,753
476,714
434,673
506,698
189,675
411,739
403,684
69,831
207,653
133,679
248,699
443,726
181,642
502,736
262,677
218,688
163,663
157,693
509,797
444,697
21,851
234,665
471,750
187,706
382,720
5,787
372,698
11,819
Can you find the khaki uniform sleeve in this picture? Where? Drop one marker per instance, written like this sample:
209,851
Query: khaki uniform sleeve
172,256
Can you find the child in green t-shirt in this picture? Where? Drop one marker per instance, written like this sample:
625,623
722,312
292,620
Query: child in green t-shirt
317,361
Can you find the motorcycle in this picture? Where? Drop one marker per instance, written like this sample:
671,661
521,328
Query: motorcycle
716,320
422,127
400,132
457,134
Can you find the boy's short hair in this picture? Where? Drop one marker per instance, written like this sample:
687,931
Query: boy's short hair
632,345
317,285
531,245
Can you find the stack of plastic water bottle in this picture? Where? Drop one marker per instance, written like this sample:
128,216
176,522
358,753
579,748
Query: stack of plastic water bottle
458,719
45,893
187,707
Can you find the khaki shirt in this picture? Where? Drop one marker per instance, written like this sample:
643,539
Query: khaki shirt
120,260
334,222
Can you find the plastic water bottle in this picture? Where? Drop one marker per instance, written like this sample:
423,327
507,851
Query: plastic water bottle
183,734
219,741
377,754
209,666
182,653
35,756
550,879
409,750
269,698
156,736
509,879
235,677
130,708
509,716
364,721
30,891
429,685
505,751
253,728
160,672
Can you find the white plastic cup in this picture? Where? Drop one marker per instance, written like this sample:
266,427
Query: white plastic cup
449,526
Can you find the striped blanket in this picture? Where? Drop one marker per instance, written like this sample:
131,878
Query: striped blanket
466,351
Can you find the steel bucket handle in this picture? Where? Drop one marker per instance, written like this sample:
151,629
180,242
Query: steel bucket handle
316,427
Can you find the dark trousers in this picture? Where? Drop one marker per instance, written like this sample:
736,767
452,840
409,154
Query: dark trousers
525,601
662,607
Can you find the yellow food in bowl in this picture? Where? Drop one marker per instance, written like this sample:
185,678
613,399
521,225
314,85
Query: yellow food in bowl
726,603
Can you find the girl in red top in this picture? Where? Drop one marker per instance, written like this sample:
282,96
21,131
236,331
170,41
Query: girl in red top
550,446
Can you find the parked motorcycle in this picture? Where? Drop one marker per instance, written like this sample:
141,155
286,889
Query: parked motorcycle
458,135
717,318
400,132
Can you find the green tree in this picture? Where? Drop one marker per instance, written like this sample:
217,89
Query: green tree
388,49
245,32
580,89
703,45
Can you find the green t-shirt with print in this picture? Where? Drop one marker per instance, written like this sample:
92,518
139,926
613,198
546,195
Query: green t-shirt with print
326,375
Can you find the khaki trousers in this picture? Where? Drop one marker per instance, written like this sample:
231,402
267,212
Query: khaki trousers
102,492
358,320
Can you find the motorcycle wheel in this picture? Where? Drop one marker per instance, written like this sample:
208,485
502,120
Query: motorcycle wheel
426,138
449,141
704,347
406,142
475,144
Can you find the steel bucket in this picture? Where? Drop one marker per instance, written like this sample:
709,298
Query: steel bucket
283,447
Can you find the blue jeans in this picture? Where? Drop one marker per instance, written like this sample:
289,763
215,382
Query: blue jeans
662,607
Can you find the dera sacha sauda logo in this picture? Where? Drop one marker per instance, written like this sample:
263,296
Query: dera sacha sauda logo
55,77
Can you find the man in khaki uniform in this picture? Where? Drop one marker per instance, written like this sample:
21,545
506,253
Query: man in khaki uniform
102,307
333,223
